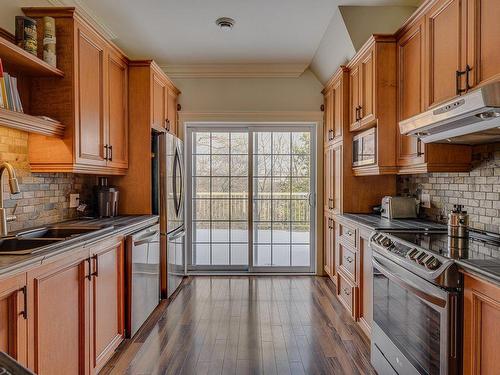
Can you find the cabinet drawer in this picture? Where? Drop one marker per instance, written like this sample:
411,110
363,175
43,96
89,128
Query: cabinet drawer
347,261
345,292
347,234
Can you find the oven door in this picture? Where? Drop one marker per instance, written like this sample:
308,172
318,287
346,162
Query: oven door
415,323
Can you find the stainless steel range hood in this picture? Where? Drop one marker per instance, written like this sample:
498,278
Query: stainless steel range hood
469,119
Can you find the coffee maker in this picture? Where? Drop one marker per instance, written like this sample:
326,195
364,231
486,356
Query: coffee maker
106,199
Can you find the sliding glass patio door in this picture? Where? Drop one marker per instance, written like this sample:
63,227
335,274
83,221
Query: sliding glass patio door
251,198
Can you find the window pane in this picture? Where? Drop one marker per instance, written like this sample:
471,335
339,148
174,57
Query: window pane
220,209
201,231
239,165
281,255
220,143
239,254
300,188
201,209
281,165
262,255
202,187
201,254
220,187
301,256
239,232
262,210
262,232
281,210
281,143
281,232
220,165
262,165
301,232
220,254
239,209
239,187
201,165
281,188
262,143
220,232
262,188
300,165
201,143
301,143
300,210
239,143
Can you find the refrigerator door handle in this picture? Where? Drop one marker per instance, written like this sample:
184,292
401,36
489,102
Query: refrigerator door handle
177,194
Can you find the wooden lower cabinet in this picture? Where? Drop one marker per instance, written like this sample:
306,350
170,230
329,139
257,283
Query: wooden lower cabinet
13,318
365,291
107,301
329,245
481,326
58,316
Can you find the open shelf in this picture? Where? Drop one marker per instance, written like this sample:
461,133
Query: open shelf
31,124
26,62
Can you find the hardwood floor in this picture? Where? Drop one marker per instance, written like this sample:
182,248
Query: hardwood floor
247,325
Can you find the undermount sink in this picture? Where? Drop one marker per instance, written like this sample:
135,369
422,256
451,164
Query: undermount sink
60,232
20,246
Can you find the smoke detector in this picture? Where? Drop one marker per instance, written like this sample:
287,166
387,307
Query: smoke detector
225,23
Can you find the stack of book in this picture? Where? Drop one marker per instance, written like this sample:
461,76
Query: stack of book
9,94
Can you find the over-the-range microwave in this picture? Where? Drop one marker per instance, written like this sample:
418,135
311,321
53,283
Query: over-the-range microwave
364,148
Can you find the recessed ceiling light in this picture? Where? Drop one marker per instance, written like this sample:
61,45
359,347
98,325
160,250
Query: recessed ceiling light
225,23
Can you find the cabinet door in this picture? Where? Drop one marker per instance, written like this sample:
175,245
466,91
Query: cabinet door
107,303
354,84
171,111
444,55
483,40
481,327
411,90
159,101
90,134
58,316
328,178
327,224
337,178
367,87
366,283
337,106
328,126
117,111
13,318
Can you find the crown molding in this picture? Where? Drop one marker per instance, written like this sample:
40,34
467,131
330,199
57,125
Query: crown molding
88,14
256,116
235,70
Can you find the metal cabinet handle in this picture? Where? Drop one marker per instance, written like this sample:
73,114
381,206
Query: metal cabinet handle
106,152
96,261
167,124
458,75
419,147
467,74
24,313
89,276
110,148
330,203
360,115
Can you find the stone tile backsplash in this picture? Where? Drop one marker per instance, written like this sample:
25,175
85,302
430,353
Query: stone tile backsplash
478,190
44,197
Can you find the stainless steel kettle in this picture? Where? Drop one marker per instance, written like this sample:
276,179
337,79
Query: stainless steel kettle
458,222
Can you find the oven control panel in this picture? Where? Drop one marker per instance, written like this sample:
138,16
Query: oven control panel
419,257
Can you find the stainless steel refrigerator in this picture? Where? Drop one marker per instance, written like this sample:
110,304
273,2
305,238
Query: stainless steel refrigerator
168,202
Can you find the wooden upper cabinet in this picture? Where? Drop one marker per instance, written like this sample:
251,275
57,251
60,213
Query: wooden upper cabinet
328,119
13,318
117,111
367,92
107,301
90,125
354,96
336,112
171,111
90,100
483,40
58,316
159,102
444,51
481,326
411,64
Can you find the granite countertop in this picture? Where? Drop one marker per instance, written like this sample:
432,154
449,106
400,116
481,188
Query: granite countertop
488,268
120,225
377,222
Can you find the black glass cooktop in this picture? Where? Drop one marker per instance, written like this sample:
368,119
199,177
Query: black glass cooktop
477,246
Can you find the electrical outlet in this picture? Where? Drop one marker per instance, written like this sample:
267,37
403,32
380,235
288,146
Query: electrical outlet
74,200
425,200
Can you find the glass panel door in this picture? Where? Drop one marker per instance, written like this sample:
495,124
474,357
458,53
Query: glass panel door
282,201
269,170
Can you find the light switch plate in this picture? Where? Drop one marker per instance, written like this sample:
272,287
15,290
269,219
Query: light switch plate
74,200
425,200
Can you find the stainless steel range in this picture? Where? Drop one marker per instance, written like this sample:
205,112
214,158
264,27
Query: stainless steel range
417,291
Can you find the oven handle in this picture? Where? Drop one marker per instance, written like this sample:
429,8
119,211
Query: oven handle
434,300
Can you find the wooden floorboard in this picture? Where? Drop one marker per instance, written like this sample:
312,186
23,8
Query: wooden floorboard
276,325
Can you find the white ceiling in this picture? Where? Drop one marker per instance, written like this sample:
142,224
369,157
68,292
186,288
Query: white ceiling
184,31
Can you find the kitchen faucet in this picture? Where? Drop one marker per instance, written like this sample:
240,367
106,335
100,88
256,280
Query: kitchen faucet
14,189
